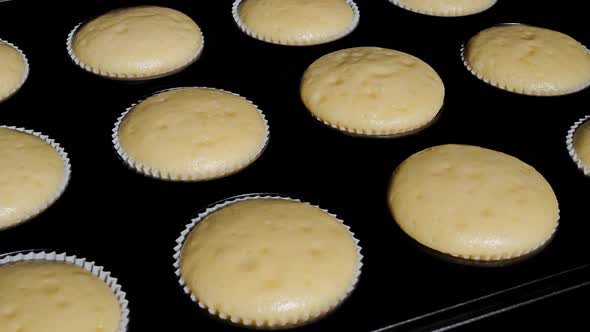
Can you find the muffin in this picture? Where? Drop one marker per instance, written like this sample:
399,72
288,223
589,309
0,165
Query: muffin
528,60
372,91
296,22
446,7
267,261
473,203
578,144
14,69
191,134
59,293
34,171
136,43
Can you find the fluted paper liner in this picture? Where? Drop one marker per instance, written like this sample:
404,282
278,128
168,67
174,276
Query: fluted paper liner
124,76
91,267
507,255
450,13
247,322
67,172
294,42
379,133
509,88
25,74
569,141
165,175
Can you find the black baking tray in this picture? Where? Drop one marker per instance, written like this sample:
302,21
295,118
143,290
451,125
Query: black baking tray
128,222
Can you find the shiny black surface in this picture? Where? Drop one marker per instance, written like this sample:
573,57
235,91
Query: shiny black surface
128,222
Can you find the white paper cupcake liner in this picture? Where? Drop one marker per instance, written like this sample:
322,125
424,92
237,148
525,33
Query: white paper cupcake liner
569,141
294,42
246,322
67,172
380,133
482,260
170,176
25,74
450,13
122,76
507,255
98,271
506,87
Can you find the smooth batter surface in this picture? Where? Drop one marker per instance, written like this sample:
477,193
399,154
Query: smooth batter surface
582,143
372,90
270,261
473,202
447,7
51,296
138,41
529,60
12,70
194,133
31,173
297,21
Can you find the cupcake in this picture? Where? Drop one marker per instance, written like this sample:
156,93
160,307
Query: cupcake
473,203
268,262
445,7
14,69
372,91
528,60
34,171
578,144
191,134
48,292
136,43
296,22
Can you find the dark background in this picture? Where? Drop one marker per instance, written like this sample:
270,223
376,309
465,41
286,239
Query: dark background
128,222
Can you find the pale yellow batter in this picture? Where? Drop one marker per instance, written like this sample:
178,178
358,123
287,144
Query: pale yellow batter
372,90
582,143
193,133
138,42
301,22
446,7
529,60
271,262
51,297
12,70
31,176
473,202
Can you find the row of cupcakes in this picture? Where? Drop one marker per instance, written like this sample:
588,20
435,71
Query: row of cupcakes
463,201
198,134
231,258
149,42
226,260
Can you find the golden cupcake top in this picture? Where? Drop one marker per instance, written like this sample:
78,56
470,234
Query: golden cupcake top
529,60
297,22
192,134
50,296
372,90
31,176
12,70
581,143
138,42
270,262
473,202
446,7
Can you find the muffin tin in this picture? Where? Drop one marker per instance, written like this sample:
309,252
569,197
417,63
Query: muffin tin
129,222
